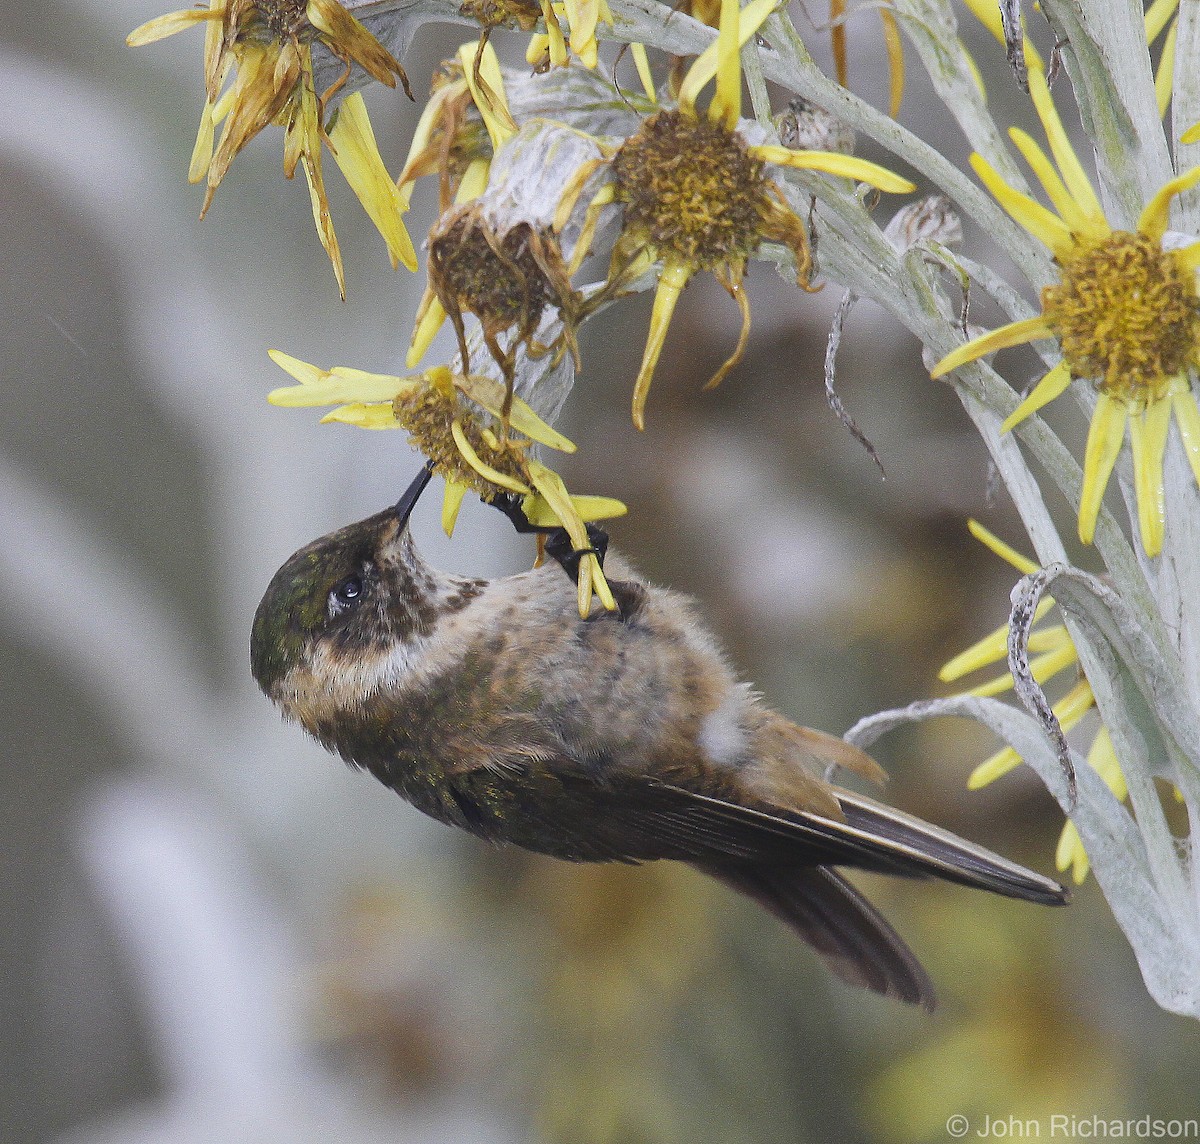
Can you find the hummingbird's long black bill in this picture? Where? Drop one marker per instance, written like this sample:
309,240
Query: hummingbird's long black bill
408,501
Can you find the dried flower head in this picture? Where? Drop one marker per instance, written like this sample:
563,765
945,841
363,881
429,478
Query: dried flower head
267,46
498,257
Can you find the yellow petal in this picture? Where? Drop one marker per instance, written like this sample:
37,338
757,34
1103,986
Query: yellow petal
357,154
895,54
1105,436
1070,854
162,26
670,285
1035,218
591,575
993,768
1062,199
834,163
1075,704
451,503
559,56
1191,135
1187,417
481,467
302,371
1061,655
1005,551
991,649
1164,74
705,65
642,63
976,74
1148,442
591,219
489,394
572,189
1189,256
726,105
1072,170
474,181
337,388
364,416
1053,385
1014,334
431,315
988,14
1157,16
582,16
203,148
487,90
539,513
1045,667
1103,760
1153,221
330,387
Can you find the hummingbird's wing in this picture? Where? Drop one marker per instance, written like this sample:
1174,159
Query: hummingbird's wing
636,818
871,836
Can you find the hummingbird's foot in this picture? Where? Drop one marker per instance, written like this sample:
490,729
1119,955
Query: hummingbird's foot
629,596
558,541
558,545
510,505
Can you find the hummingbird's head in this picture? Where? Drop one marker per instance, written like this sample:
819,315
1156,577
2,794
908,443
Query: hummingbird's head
341,613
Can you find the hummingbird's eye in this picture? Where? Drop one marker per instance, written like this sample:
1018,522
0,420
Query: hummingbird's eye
346,594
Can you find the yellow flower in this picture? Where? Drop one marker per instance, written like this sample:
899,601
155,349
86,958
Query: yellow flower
1126,314
465,425
697,196
267,44
1054,653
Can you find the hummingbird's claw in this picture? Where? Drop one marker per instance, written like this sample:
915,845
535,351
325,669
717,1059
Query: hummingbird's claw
510,505
558,542
558,545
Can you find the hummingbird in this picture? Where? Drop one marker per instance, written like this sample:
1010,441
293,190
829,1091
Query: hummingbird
627,736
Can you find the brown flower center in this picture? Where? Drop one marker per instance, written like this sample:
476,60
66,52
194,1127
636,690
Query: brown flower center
272,20
523,14
692,191
428,414
1126,314
499,280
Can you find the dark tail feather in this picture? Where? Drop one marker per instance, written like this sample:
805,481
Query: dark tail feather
910,846
851,936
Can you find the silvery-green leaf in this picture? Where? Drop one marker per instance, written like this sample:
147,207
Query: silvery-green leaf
1165,941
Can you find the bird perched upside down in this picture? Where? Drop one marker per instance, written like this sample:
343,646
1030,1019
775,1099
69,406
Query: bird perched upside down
491,705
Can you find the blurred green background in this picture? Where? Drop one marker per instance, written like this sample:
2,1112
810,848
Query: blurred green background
214,931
